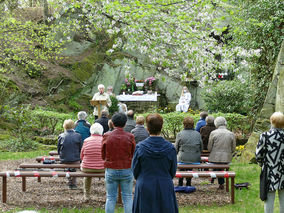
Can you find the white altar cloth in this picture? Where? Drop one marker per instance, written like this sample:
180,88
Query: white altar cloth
145,97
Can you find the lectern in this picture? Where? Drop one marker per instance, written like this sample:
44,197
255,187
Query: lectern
99,104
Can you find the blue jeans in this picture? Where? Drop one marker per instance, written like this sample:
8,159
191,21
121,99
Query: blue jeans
114,178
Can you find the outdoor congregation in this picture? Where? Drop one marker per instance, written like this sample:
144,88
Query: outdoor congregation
128,152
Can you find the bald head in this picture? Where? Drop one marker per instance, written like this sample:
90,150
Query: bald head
130,113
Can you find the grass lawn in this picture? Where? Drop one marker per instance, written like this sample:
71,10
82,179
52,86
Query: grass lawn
246,201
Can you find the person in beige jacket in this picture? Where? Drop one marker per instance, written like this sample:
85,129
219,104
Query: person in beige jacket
221,145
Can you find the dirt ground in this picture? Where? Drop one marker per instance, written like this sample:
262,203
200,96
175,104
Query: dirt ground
53,193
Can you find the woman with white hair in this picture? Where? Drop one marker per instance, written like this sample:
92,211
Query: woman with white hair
82,126
221,145
101,96
269,151
91,156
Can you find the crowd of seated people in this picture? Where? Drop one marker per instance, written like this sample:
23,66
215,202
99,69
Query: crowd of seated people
124,149
109,146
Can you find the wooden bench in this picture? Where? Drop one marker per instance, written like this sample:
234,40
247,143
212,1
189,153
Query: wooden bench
56,158
203,166
52,153
215,174
204,153
25,174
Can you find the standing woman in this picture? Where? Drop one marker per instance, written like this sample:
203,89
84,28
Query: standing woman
270,149
154,166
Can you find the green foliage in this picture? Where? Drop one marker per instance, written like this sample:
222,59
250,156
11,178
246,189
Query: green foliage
74,105
18,145
22,120
228,97
173,123
237,123
258,25
50,122
114,107
46,140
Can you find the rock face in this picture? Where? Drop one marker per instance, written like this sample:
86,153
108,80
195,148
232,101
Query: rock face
274,102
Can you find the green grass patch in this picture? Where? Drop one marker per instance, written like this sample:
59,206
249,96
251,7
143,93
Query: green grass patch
22,155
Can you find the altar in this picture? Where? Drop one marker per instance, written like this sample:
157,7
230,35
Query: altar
140,103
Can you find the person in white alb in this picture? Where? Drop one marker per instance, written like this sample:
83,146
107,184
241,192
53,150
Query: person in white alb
184,100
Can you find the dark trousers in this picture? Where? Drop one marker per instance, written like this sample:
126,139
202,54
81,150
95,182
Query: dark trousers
188,180
221,181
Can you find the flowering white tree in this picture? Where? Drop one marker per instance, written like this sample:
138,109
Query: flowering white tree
176,35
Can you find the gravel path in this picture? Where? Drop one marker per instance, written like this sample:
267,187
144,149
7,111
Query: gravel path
53,193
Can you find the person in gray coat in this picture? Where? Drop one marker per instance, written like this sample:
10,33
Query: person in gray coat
221,145
130,123
139,132
188,146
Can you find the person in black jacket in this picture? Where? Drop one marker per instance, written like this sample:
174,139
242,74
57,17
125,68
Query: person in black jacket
103,120
69,148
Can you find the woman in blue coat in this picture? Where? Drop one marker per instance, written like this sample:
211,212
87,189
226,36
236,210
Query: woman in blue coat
154,166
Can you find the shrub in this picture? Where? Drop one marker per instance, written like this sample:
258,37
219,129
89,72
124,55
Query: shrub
50,121
114,107
18,145
228,97
21,118
239,124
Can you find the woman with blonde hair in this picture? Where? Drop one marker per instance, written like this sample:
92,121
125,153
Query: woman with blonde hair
184,100
270,154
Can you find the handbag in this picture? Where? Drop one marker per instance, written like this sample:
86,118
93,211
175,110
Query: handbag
263,183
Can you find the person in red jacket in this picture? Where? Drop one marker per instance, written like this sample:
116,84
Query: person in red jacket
91,156
117,152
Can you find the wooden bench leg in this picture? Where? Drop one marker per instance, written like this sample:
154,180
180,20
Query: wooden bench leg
232,190
4,189
227,184
38,179
24,184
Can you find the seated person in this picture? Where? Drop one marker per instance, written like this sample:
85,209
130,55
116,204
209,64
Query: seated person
91,156
139,132
69,149
201,122
221,145
103,120
184,100
122,108
188,146
110,125
206,130
82,126
130,123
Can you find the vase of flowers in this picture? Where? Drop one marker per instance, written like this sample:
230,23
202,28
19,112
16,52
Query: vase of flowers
130,83
151,83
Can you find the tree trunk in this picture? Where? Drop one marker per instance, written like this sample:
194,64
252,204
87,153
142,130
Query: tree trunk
274,102
45,11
